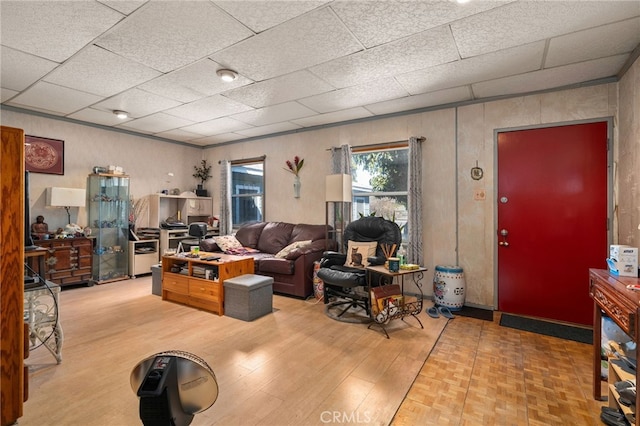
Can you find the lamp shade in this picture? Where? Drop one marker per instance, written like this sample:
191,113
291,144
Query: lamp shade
338,188
66,197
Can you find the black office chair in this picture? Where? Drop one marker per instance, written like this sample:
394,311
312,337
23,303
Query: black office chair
346,287
198,230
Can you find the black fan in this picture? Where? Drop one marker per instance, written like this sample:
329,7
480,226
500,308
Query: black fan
173,386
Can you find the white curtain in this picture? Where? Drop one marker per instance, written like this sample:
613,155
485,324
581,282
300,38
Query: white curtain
226,221
414,202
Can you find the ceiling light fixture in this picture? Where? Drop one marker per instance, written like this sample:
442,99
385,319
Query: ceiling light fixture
227,75
121,114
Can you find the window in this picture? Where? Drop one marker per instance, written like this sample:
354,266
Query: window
380,184
247,191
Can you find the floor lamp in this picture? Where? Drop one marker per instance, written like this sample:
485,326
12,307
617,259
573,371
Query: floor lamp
67,198
338,206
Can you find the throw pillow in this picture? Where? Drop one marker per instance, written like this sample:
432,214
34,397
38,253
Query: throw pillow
227,242
291,247
358,253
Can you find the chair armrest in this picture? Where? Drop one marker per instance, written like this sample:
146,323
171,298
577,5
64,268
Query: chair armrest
330,258
376,260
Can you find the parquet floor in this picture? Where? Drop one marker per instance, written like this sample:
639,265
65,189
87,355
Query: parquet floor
480,373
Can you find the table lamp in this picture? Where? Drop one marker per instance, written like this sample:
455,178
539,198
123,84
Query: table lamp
67,198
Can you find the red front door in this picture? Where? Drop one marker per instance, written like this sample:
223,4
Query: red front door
552,210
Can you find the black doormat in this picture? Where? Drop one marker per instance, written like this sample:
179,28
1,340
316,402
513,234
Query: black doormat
577,334
471,312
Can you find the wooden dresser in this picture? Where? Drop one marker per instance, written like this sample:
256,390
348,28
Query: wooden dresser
611,296
68,261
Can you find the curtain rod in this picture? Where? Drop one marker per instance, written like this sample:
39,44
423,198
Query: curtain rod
380,145
247,160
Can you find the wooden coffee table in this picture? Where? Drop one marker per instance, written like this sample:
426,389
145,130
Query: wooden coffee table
200,283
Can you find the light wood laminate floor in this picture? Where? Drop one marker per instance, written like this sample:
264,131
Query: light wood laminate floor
298,367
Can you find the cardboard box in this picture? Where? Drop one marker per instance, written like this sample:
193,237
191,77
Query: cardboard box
624,259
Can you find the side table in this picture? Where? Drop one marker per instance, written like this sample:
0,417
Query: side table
42,314
409,307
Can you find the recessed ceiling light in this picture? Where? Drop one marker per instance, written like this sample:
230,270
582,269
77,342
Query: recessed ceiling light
121,114
227,75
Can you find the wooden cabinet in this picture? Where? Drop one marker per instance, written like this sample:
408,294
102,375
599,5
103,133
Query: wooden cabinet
611,296
199,283
68,260
13,374
142,255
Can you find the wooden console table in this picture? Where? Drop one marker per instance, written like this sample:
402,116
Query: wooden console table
610,294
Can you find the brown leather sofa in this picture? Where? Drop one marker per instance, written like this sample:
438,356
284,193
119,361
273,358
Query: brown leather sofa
293,274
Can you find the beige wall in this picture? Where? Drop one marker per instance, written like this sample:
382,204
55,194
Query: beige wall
627,158
457,228
146,161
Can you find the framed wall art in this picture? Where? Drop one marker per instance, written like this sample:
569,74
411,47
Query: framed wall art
43,155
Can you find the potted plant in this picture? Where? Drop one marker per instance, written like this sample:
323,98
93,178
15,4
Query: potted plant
202,173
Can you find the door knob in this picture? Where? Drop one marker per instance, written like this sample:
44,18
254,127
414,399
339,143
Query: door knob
504,242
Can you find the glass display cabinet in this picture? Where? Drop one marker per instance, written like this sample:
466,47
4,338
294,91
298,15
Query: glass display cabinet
108,201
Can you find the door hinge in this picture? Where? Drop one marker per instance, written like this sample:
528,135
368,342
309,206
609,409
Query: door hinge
608,144
608,224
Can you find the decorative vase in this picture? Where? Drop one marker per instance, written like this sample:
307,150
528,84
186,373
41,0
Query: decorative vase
296,186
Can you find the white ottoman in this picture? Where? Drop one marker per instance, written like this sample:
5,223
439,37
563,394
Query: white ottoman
248,297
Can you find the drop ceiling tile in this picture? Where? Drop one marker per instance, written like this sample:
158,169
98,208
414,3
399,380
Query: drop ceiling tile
19,70
266,130
54,99
364,94
308,40
277,90
426,49
53,30
551,77
193,82
274,114
217,126
262,15
333,117
7,94
166,35
527,21
123,6
208,108
440,97
156,123
178,135
137,103
378,22
225,137
98,71
607,40
92,115
516,60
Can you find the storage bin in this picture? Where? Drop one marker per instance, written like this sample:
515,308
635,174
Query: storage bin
248,296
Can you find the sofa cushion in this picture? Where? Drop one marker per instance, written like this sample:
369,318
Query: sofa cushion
358,253
249,234
276,265
303,232
294,245
228,242
209,245
274,237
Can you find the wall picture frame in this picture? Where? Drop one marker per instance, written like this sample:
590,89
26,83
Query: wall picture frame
43,155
